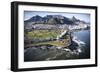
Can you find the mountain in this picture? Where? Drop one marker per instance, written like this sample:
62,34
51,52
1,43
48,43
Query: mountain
35,19
74,19
53,19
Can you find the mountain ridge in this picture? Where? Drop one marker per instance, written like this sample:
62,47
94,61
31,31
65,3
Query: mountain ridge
54,19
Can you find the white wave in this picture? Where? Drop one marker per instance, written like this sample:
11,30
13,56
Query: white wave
79,42
79,50
68,50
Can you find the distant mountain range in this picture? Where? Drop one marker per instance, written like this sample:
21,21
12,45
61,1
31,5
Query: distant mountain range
54,19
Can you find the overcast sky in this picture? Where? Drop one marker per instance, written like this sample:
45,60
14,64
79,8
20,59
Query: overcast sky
81,16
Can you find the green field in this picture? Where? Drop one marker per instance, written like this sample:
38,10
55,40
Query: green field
62,43
43,34
52,34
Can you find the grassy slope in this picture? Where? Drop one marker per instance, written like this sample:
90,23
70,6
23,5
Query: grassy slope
60,43
42,34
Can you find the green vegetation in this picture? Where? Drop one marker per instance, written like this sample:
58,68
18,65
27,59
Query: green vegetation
43,34
61,43
51,34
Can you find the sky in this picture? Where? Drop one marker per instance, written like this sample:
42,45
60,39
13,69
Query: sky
82,16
